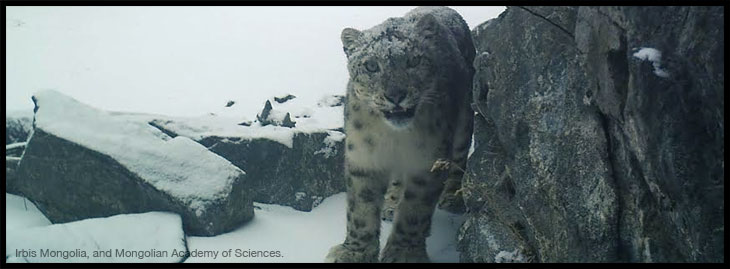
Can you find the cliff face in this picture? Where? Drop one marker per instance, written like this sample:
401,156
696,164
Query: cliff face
599,136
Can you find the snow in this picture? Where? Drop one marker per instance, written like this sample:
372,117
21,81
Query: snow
280,231
307,236
471,147
509,257
213,125
308,113
32,238
24,113
179,166
655,57
15,145
21,213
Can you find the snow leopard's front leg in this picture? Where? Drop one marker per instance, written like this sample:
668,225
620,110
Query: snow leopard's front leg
407,241
365,189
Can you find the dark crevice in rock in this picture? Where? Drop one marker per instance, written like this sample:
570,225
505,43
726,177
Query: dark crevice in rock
621,251
548,20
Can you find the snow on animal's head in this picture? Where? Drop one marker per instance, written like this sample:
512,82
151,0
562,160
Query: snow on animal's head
395,66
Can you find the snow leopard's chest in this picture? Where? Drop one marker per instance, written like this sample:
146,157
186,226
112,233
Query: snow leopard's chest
371,141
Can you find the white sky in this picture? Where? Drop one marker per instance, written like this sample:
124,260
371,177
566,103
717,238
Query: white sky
184,60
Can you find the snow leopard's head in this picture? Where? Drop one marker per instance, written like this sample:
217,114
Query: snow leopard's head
394,66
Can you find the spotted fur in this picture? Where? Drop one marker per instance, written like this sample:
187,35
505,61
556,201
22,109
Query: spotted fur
408,104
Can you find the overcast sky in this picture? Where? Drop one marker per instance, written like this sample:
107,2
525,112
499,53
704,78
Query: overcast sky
184,60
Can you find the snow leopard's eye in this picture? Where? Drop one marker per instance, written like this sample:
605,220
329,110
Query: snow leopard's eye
372,66
413,61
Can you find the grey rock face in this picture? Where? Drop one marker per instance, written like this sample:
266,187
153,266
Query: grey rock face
11,178
584,152
300,176
70,181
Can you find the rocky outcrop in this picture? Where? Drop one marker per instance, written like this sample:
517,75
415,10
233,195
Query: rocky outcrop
598,136
300,176
269,116
83,163
300,172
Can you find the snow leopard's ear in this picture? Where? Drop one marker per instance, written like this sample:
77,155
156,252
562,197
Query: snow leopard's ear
428,26
350,40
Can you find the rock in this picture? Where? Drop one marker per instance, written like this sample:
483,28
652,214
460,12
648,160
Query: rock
85,163
281,100
11,177
147,237
18,126
586,153
269,116
230,103
300,176
287,122
299,172
263,117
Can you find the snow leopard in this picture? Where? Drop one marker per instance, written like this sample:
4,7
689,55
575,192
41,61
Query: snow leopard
408,104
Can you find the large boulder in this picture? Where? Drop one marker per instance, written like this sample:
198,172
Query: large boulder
286,166
82,163
599,136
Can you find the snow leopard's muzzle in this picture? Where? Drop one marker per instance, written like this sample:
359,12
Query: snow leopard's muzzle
398,108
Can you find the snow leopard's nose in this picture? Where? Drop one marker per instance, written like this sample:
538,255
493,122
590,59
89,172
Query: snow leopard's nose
395,96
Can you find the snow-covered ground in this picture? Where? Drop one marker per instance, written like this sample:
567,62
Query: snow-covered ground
289,235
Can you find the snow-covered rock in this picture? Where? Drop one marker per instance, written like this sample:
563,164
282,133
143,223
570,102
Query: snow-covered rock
147,237
270,116
295,167
82,162
285,166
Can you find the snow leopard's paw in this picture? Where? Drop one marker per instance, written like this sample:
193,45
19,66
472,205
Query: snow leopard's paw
451,199
341,254
402,255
